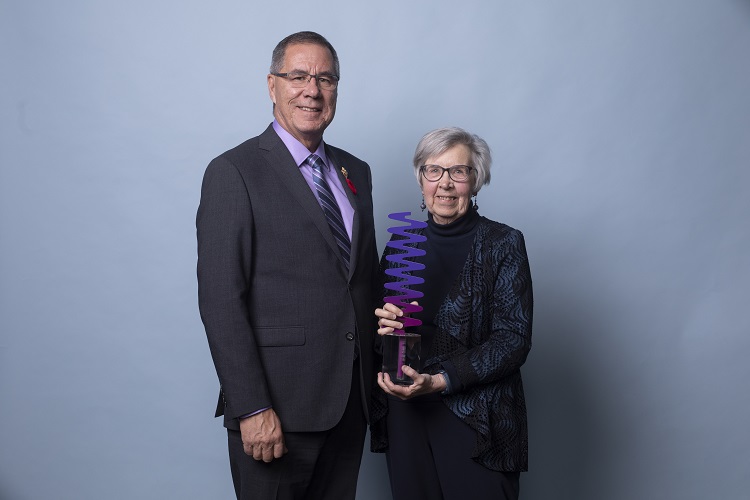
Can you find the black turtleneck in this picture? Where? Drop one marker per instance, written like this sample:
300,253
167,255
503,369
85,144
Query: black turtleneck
447,248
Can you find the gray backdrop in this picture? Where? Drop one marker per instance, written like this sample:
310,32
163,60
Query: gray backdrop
621,136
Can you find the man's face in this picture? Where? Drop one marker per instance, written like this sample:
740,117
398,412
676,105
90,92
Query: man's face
304,112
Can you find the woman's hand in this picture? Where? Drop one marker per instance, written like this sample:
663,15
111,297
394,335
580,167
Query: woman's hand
424,383
388,318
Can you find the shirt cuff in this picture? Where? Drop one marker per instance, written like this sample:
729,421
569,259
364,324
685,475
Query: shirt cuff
254,413
451,378
447,389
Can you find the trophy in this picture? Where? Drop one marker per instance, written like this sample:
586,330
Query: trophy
402,348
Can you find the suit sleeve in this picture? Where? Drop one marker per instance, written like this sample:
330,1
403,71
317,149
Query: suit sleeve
225,266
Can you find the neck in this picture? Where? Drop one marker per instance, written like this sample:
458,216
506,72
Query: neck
310,141
461,225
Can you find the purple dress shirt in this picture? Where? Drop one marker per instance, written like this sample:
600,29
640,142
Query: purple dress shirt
300,154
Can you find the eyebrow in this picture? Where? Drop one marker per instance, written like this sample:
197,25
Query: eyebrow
322,73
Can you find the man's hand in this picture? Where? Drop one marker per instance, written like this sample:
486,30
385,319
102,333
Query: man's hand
262,437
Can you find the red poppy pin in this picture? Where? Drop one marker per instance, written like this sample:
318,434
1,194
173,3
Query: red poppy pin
348,181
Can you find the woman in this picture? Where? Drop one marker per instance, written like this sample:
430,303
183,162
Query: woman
459,431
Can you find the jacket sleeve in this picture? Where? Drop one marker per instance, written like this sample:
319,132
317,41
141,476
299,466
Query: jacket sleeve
224,229
506,315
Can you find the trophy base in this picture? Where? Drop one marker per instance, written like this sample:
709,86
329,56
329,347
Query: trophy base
401,349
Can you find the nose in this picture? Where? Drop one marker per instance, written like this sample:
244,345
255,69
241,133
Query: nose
445,179
312,89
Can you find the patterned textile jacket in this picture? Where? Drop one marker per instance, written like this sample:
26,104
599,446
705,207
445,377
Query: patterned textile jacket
484,330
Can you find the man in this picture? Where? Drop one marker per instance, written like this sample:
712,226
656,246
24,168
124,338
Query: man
286,267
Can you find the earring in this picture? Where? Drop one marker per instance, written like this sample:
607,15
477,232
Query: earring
422,205
476,207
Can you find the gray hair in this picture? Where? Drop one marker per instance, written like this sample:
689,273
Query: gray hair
441,140
309,37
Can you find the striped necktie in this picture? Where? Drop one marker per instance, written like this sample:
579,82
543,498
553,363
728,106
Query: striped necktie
330,207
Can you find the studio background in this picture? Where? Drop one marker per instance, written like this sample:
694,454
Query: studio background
621,138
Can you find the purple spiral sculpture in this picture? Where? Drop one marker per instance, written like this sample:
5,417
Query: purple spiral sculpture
406,280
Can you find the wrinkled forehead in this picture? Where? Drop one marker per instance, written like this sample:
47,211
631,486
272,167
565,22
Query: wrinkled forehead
303,56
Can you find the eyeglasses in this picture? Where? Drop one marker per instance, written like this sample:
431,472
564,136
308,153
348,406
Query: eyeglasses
458,173
300,79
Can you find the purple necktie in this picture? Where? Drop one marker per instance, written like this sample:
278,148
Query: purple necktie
330,207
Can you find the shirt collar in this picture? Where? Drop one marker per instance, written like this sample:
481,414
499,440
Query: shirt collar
297,149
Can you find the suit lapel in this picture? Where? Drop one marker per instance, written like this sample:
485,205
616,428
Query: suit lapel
280,159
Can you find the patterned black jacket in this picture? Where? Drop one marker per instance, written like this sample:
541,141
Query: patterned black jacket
484,330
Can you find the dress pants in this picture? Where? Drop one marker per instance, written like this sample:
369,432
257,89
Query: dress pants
318,465
429,455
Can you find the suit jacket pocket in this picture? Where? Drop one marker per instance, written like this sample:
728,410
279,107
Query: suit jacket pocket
280,336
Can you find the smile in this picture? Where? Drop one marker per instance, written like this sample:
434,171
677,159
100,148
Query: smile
304,108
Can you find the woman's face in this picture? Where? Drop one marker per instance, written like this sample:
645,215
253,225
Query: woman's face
446,199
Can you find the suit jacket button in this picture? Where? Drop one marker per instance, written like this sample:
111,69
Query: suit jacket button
349,336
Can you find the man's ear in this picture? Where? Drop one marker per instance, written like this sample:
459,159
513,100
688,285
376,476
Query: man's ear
271,88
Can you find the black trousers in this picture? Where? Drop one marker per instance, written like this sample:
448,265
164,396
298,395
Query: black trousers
429,456
318,465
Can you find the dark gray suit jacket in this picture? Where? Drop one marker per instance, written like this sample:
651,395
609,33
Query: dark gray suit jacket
280,311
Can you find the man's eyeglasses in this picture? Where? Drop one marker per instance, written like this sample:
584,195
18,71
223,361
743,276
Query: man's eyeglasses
300,79
458,173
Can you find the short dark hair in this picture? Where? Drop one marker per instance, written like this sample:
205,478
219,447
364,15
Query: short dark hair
309,37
